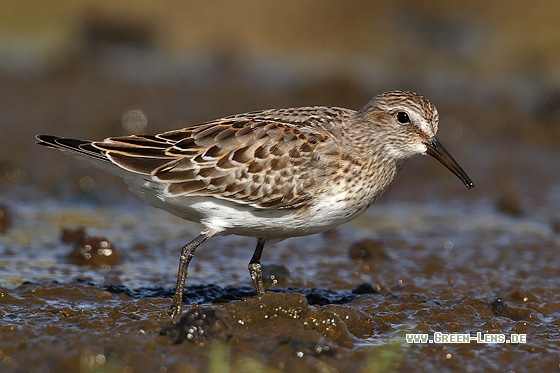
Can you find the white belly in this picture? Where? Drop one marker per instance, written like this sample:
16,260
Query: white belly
227,217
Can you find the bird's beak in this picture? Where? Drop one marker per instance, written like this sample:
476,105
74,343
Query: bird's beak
436,150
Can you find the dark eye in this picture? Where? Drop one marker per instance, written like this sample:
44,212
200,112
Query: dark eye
402,117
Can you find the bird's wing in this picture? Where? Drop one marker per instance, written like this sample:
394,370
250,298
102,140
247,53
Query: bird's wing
266,159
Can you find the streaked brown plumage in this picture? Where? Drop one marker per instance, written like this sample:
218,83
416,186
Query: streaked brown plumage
272,174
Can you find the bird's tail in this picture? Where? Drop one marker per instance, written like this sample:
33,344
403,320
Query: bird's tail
82,148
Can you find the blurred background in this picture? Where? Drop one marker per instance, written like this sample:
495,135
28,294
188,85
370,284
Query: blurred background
76,68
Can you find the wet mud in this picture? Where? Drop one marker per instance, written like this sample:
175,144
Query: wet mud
346,300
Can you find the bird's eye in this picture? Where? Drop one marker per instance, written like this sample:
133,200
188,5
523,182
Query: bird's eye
402,117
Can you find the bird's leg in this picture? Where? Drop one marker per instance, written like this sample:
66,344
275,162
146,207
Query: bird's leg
255,268
187,253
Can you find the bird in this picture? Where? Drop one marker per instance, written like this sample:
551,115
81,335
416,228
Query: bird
271,174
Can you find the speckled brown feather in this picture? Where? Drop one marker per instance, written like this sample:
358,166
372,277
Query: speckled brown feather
267,159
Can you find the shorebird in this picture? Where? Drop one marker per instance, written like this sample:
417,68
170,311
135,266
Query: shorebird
271,174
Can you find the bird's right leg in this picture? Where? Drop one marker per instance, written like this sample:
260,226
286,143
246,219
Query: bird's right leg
255,268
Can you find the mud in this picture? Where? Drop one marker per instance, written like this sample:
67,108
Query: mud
334,310
87,272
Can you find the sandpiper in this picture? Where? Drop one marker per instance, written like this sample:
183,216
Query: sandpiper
271,174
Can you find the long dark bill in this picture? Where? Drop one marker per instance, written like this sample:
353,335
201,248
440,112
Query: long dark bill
436,150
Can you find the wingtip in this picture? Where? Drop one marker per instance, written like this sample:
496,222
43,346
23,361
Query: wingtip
82,148
46,140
